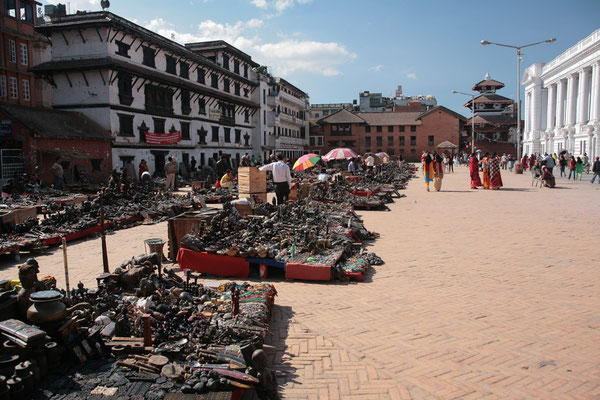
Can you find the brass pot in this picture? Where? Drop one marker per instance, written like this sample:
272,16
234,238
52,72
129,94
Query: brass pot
48,307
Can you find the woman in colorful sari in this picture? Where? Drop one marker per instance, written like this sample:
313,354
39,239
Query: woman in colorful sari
532,160
485,171
578,168
524,162
428,172
494,171
438,167
474,170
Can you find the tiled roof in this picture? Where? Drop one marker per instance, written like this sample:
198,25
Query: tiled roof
392,118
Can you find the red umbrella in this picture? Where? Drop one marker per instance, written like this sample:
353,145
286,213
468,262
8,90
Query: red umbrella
339,154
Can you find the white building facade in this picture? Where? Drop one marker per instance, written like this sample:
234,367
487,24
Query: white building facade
134,82
562,102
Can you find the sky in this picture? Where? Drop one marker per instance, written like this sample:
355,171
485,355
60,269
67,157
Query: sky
335,49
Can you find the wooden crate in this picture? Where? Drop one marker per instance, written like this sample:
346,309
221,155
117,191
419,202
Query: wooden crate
261,196
251,180
185,223
22,214
243,209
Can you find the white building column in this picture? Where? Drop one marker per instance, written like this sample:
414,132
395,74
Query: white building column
561,87
551,113
582,98
571,108
595,98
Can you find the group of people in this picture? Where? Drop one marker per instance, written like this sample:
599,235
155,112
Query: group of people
544,165
433,169
490,167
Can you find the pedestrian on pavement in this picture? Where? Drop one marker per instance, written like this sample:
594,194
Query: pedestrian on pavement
58,172
351,166
171,170
281,178
474,171
504,161
562,162
222,165
193,163
572,166
547,177
494,171
532,160
438,170
511,162
524,162
485,171
579,167
370,162
549,162
428,171
451,162
596,170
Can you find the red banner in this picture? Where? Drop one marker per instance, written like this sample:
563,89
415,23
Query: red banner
163,138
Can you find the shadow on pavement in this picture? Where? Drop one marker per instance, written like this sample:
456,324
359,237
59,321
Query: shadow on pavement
281,317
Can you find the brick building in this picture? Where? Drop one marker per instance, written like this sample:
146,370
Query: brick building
43,134
406,133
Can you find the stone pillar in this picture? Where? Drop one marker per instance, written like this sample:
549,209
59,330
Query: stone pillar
551,114
595,98
571,108
560,108
582,98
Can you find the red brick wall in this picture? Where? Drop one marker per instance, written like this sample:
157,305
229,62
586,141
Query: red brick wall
439,124
34,154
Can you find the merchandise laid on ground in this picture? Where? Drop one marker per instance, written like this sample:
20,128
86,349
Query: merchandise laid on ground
142,332
33,221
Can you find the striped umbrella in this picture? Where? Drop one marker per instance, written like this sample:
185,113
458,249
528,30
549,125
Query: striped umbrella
385,157
340,154
306,161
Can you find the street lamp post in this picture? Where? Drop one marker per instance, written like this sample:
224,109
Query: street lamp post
518,48
472,118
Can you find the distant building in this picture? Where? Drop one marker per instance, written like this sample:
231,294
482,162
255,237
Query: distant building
495,120
562,102
318,111
376,102
406,133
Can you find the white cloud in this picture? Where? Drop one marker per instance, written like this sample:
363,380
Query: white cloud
376,68
283,57
260,3
411,75
278,5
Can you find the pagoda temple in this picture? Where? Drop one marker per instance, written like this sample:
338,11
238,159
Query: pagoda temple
495,119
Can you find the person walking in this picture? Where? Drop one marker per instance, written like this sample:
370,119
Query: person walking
193,163
474,171
485,171
58,172
586,163
525,162
438,171
572,166
281,178
351,166
451,163
504,161
579,168
596,170
511,162
171,170
549,162
532,160
428,172
494,171
562,163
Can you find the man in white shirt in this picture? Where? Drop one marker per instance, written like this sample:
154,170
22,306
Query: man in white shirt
370,162
351,166
281,178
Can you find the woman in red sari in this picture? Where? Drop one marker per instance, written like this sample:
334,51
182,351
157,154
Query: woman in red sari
524,162
474,171
532,160
428,171
494,171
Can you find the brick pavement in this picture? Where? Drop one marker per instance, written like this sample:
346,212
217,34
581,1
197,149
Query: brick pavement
484,294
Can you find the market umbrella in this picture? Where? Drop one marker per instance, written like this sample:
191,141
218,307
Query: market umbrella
340,154
383,156
306,161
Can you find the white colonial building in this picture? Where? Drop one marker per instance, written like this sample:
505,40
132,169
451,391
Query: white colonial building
141,86
562,102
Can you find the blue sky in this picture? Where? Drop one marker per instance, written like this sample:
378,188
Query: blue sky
334,49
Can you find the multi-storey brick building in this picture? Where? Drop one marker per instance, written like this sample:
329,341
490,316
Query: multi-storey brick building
396,133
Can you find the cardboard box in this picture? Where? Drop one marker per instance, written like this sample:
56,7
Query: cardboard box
251,180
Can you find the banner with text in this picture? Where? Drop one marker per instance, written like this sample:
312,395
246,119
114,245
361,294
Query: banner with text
163,138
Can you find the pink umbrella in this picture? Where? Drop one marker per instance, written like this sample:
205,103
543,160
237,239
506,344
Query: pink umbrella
339,154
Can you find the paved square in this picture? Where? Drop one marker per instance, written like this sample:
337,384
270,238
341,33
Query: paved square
484,294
